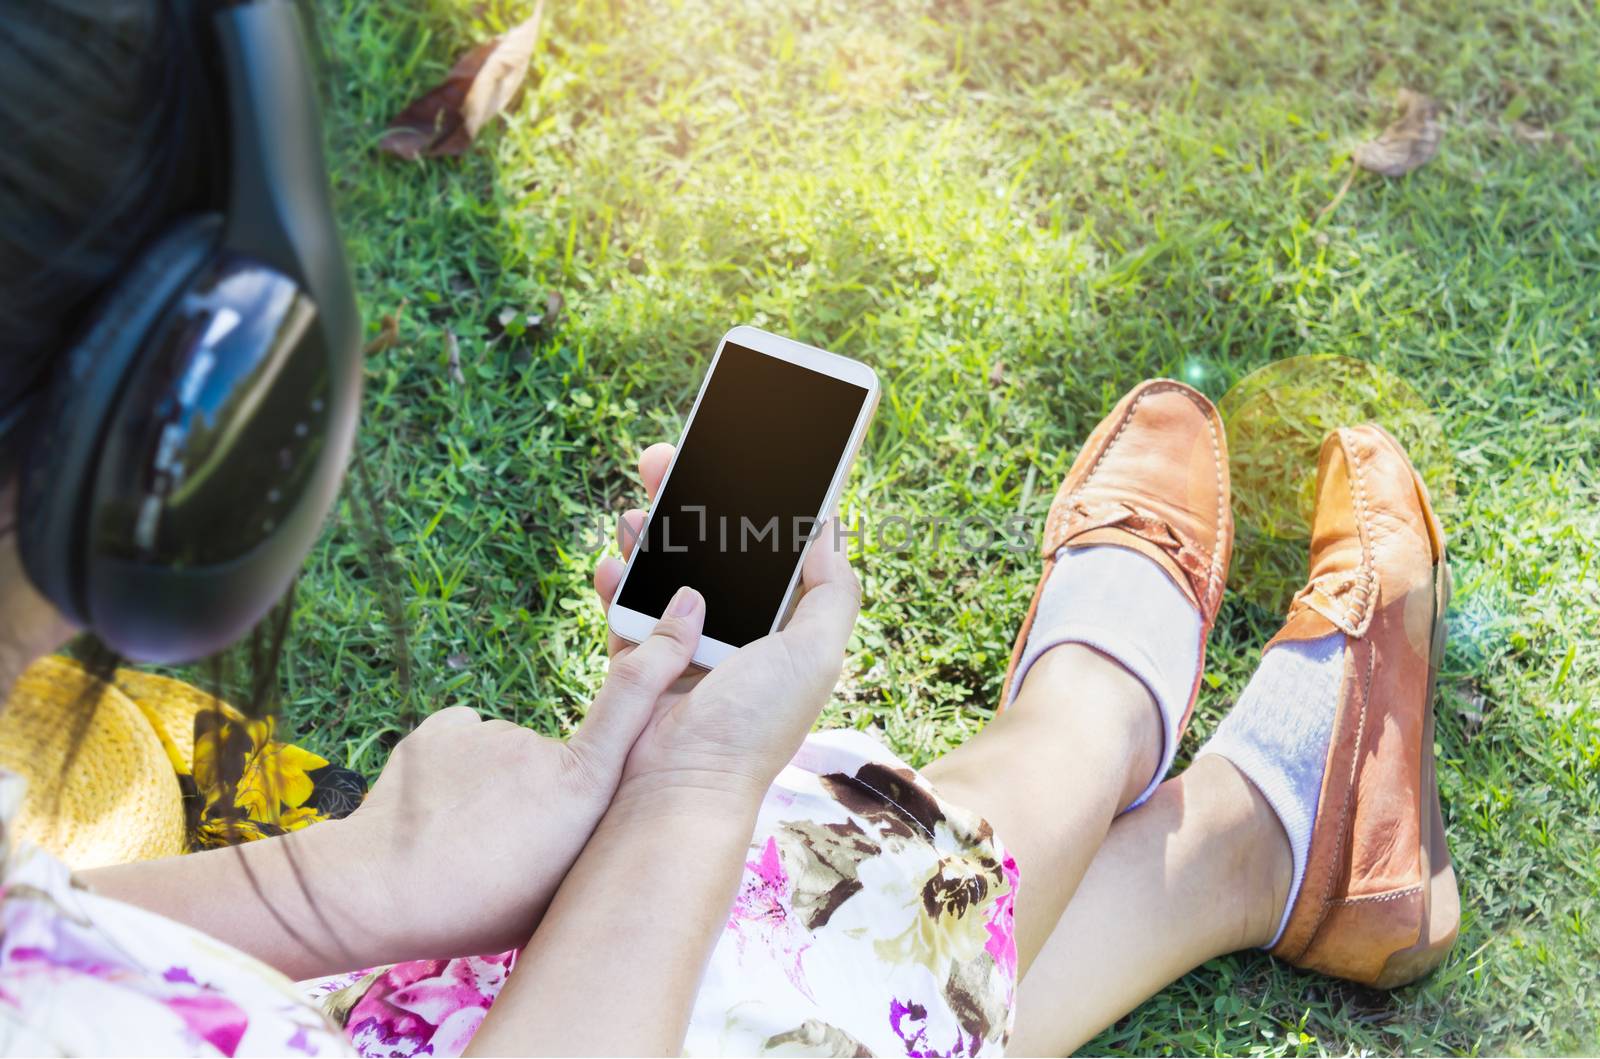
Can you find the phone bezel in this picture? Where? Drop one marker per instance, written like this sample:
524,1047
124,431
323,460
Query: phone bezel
633,625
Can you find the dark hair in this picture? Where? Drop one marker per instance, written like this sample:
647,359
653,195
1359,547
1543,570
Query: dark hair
103,105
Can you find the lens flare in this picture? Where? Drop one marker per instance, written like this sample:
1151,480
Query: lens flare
1277,418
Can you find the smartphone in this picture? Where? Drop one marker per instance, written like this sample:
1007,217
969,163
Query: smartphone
761,462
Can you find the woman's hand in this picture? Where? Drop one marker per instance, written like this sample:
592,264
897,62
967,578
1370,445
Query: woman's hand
739,724
473,823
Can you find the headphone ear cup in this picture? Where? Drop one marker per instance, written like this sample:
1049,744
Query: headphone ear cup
62,453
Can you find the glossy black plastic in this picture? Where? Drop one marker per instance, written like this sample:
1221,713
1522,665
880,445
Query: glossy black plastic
222,433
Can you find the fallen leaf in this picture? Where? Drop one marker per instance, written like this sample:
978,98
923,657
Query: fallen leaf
483,82
388,335
454,348
1410,141
1534,136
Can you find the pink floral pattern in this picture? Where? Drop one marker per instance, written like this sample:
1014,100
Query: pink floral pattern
763,919
1001,923
424,1007
873,919
81,974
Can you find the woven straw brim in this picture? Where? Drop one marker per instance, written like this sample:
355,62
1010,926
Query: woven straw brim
119,801
170,707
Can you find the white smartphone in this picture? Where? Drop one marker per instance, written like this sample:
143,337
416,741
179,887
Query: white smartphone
761,462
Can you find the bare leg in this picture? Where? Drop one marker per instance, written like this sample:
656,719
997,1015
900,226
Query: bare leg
1200,870
1052,771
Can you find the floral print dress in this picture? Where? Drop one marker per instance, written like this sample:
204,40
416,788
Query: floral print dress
872,918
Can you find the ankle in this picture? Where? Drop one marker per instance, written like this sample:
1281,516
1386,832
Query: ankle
1251,847
1078,675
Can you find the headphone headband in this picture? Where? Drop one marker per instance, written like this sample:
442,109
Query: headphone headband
279,209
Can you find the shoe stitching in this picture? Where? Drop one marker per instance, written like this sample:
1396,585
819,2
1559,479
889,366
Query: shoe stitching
1222,510
1353,612
1363,533
1061,504
1395,895
1127,417
1216,463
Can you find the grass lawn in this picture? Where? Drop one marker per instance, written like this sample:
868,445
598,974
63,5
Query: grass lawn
1014,211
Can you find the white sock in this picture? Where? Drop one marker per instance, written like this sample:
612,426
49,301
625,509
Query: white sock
1277,734
1123,605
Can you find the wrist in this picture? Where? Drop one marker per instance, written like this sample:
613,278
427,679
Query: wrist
684,762
358,869
703,796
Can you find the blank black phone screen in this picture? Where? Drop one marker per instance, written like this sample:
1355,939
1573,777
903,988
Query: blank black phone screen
752,472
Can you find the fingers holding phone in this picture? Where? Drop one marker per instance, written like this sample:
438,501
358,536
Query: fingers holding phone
736,510
653,464
736,726
830,603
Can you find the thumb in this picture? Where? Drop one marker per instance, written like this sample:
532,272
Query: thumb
826,614
637,679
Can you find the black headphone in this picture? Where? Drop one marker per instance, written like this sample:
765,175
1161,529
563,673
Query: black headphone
179,463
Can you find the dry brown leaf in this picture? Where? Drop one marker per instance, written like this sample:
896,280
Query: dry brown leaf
1409,142
388,335
483,83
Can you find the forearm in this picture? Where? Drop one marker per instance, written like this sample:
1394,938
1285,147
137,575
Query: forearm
627,938
291,901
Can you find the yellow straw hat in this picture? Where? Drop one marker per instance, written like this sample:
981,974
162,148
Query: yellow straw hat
120,800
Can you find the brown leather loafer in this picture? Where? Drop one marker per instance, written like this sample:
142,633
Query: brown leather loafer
1378,904
1153,477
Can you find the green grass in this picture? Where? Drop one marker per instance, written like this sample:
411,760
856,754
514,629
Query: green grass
1014,211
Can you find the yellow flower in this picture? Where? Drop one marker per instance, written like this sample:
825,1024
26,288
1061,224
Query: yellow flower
273,778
